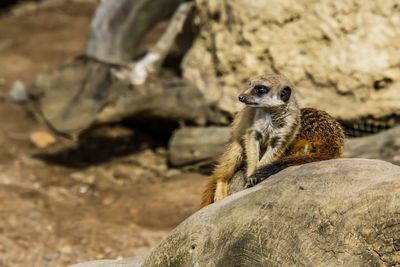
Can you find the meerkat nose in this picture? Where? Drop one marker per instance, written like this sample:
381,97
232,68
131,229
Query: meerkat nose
242,98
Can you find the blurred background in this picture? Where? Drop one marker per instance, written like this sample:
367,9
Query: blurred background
112,113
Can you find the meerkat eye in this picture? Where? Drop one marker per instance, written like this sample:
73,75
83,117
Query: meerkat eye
285,94
260,89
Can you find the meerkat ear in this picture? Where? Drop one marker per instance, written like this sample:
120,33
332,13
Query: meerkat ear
285,93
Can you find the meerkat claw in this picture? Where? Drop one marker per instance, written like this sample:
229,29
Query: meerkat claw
247,185
252,181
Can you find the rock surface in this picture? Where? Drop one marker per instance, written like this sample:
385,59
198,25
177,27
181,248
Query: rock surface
342,55
338,212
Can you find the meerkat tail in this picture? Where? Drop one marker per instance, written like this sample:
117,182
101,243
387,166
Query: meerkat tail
266,171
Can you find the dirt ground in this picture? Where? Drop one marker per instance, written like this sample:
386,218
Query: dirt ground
110,195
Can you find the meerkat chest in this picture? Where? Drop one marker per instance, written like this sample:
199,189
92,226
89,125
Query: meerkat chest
262,122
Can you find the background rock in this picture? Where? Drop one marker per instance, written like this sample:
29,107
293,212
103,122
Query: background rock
194,144
343,55
384,145
71,96
338,212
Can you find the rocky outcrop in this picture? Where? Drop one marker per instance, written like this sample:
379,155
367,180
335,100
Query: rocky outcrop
342,55
331,213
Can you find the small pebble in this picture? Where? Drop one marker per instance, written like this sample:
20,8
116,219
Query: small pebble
42,139
66,249
173,172
19,92
107,201
83,189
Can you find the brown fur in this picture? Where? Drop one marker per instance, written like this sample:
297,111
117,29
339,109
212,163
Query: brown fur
304,136
319,133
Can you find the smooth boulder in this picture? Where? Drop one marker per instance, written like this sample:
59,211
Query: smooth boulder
337,212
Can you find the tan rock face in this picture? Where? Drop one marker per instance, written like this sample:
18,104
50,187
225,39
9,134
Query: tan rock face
342,55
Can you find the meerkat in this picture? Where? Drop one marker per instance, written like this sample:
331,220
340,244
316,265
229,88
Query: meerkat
272,133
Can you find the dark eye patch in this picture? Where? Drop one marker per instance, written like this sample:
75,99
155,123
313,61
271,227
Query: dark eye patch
260,89
285,94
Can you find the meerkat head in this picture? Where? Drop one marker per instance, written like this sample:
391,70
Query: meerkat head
268,91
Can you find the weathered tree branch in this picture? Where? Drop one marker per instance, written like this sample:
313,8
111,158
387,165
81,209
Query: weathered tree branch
150,65
119,26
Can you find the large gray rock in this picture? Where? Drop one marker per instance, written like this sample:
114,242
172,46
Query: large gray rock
333,213
339,212
342,55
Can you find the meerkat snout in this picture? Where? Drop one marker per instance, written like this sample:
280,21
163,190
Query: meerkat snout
242,98
252,96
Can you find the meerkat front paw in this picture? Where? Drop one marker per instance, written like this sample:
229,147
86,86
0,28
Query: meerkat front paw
252,181
264,173
221,191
